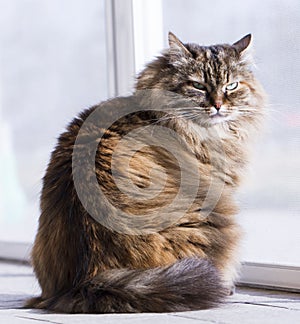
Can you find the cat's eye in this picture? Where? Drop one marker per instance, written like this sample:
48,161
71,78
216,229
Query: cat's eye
198,86
232,86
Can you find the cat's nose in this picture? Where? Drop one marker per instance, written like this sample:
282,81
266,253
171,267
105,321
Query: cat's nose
218,104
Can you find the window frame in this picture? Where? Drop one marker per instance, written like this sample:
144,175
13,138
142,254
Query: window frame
15,251
120,47
127,53
270,276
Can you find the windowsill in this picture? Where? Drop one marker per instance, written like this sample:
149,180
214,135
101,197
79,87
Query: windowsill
248,305
15,251
252,274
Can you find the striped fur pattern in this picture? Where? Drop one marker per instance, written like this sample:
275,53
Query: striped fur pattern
84,267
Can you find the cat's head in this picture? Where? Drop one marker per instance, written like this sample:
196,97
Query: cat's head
218,79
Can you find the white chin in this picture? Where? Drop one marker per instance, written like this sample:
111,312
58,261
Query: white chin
218,119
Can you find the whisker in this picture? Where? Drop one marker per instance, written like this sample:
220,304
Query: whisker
185,109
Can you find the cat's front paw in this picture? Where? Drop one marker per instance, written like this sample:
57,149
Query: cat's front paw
231,290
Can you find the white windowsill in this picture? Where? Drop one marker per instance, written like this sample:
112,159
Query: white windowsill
272,276
15,251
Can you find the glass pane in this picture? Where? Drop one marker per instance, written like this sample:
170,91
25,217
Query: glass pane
52,65
270,201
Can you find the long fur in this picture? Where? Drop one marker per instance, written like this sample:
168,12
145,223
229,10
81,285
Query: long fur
84,266
189,284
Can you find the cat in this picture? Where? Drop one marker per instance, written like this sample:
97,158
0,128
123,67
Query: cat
88,265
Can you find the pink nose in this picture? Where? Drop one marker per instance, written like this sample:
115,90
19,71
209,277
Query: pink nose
218,104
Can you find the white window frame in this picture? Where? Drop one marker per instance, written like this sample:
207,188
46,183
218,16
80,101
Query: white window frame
120,47
272,276
134,36
15,251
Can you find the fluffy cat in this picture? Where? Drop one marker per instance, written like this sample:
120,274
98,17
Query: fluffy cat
215,104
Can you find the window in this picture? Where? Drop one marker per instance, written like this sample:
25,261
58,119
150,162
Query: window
52,65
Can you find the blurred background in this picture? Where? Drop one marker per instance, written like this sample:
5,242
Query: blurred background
52,65
55,61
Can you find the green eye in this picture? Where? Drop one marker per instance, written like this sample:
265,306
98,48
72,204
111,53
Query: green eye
232,86
199,86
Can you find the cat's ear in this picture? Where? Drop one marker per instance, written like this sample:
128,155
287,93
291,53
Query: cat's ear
177,48
243,44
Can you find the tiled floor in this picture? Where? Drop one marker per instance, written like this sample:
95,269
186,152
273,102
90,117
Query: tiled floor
17,283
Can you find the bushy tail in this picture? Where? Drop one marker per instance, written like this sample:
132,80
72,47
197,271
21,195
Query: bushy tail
189,284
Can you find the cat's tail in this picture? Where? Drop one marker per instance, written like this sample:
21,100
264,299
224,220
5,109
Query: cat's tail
188,284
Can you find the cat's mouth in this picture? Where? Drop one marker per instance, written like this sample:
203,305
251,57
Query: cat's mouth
218,117
217,114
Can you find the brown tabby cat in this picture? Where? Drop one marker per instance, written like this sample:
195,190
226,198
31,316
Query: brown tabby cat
88,264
